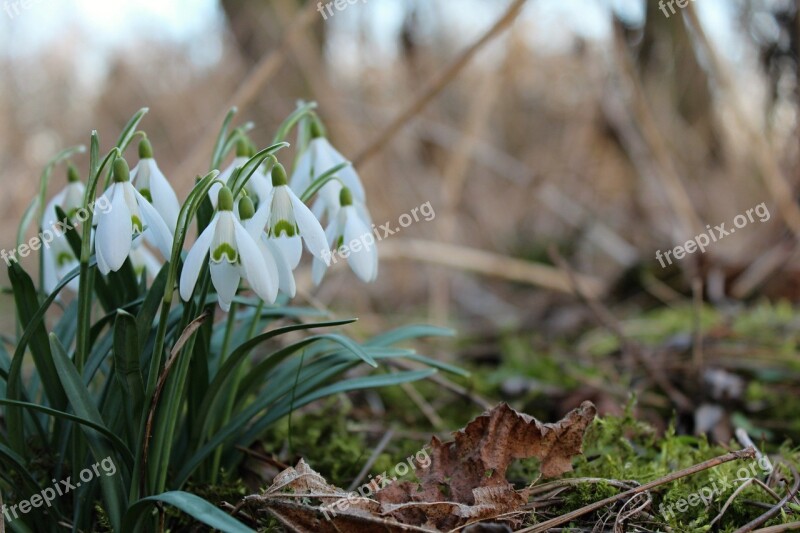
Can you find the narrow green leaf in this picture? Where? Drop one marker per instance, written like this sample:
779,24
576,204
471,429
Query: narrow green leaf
27,304
238,356
115,440
409,332
126,136
126,365
217,153
113,490
317,184
194,506
288,123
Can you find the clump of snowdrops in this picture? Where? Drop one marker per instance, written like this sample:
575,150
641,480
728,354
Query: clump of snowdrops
164,359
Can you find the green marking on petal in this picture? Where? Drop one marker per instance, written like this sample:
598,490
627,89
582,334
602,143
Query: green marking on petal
283,226
63,258
224,250
137,224
147,195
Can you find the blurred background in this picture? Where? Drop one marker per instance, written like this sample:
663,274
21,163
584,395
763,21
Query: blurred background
584,137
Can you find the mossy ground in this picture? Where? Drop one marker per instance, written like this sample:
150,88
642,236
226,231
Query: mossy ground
639,441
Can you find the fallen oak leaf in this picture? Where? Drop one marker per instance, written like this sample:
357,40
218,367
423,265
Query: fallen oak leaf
463,481
466,477
289,499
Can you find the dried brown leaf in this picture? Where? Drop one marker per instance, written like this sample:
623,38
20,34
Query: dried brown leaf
466,479
463,484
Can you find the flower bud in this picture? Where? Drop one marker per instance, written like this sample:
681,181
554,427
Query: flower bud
72,174
345,197
121,171
279,175
145,149
244,148
317,129
246,208
225,199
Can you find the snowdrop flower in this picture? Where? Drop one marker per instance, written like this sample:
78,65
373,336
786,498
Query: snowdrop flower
150,181
257,186
277,266
129,215
318,158
348,229
143,260
287,220
233,255
58,258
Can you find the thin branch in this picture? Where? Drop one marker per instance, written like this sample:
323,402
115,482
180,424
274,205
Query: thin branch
748,453
750,526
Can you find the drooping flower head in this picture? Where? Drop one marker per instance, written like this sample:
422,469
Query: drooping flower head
151,183
258,186
129,214
58,256
351,238
277,266
318,158
233,255
289,222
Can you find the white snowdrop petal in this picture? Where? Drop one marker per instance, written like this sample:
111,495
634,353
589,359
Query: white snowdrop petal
301,176
213,193
360,260
310,229
225,277
271,264
49,270
49,216
285,276
223,245
260,187
318,269
195,259
348,174
291,249
253,265
114,230
158,229
143,260
165,200
73,197
255,225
